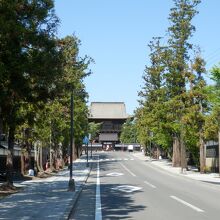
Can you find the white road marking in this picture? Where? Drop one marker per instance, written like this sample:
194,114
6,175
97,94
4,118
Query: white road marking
98,206
127,188
113,159
149,184
127,169
187,204
114,174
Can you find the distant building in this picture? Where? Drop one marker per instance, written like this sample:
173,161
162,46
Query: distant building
111,115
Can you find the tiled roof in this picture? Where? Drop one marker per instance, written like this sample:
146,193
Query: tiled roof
108,110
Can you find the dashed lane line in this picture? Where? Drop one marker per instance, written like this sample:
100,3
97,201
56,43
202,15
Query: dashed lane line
149,184
127,169
187,204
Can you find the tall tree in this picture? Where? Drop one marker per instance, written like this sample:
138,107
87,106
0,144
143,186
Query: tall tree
75,70
151,117
180,31
215,100
29,60
200,100
196,111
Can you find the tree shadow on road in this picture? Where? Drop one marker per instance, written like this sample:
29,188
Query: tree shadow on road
116,203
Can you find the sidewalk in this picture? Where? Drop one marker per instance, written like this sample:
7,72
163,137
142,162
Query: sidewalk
193,173
45,198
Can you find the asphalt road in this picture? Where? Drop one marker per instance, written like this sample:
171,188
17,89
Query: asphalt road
121,186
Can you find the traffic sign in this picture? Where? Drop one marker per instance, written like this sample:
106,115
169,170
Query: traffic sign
85,140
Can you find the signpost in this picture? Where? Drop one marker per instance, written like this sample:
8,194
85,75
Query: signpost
90,139
86,142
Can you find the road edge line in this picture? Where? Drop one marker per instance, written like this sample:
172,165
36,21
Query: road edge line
98,206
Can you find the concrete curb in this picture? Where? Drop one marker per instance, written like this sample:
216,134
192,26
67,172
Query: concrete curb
71,205
73,202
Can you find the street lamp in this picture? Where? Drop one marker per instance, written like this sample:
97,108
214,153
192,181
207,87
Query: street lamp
71,180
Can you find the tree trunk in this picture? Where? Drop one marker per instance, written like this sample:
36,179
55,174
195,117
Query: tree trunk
202,157
51,153
158,153
77,151
38,159
219,152
183,154
22,162
41,158
74,155
1,124
30,166
27,157
35,159
53,159
9,160
176,152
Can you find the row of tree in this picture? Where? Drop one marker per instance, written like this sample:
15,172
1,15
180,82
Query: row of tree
178,111
38,72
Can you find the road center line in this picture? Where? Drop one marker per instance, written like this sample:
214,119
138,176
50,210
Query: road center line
149,184
127,169
98,206
187,204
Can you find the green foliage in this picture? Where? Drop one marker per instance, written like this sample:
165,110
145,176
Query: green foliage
75,69
54,118
94,129
152,116
213,93
29,59
129,132
216,75
167,108
38,72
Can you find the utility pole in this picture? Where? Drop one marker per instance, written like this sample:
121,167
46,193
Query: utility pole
71,180
87,154
91,149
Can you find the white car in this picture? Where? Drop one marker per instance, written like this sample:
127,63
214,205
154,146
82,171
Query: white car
130,148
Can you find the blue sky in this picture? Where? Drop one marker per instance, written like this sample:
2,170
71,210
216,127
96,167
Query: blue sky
115,33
